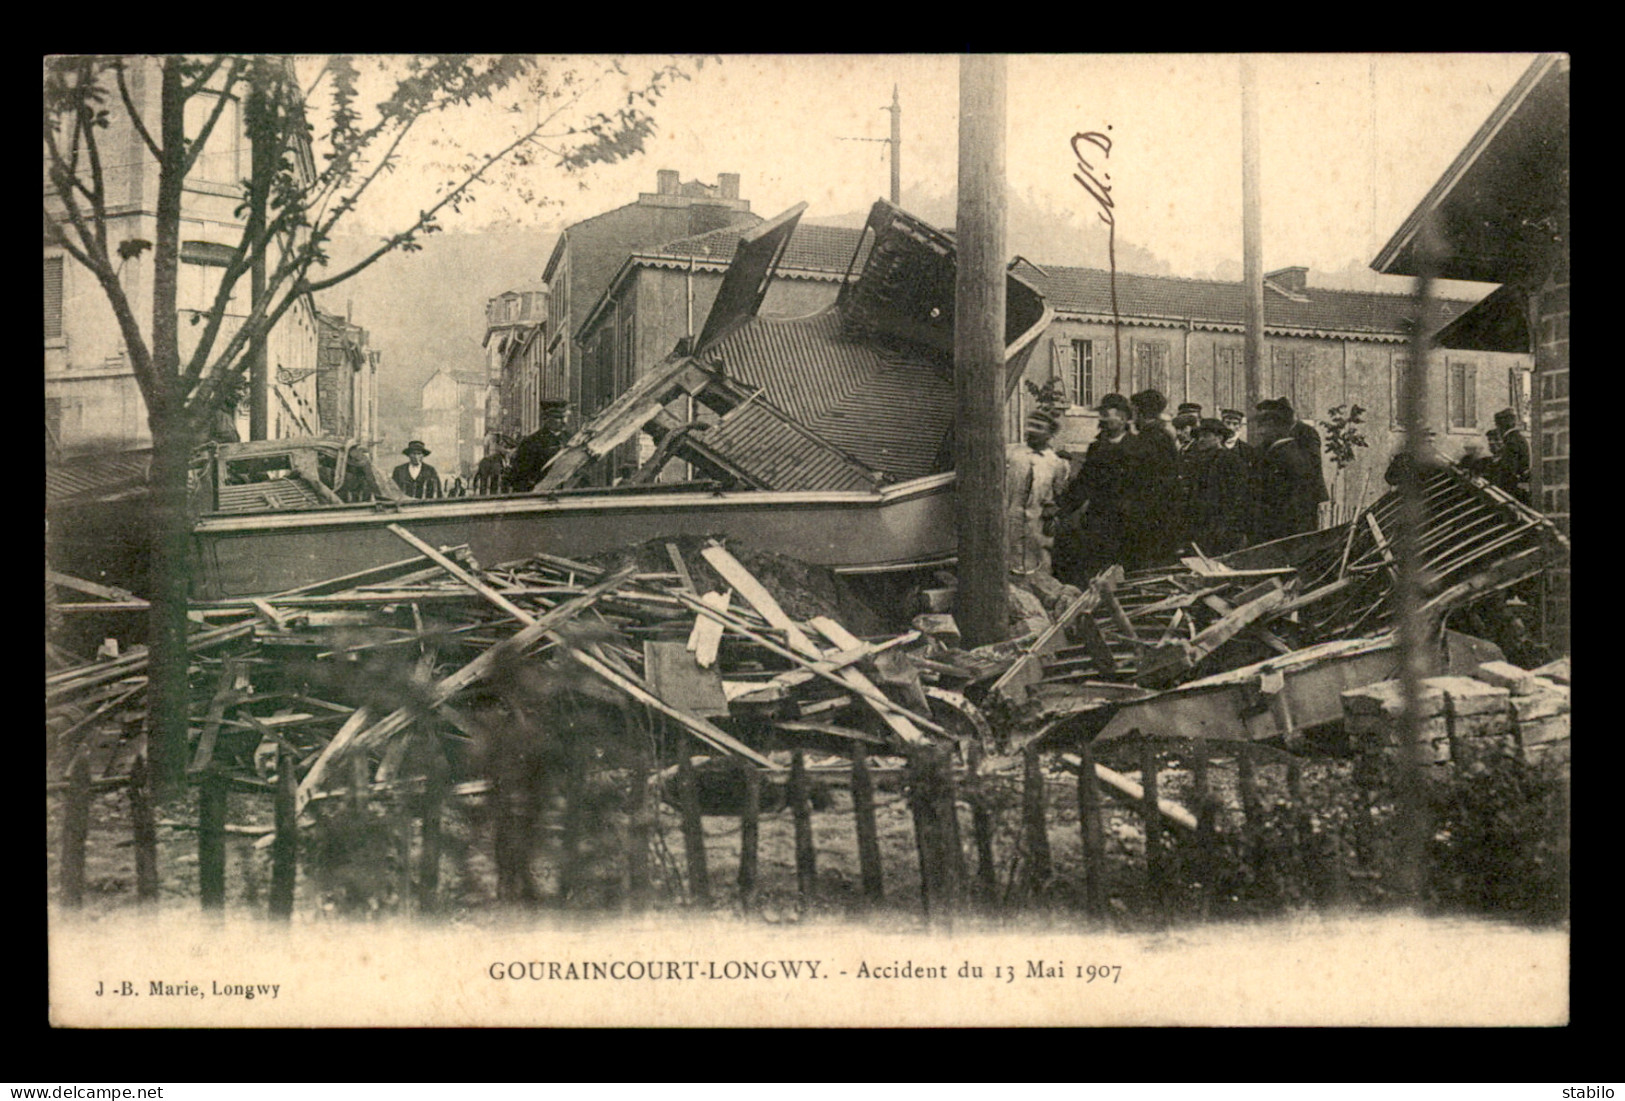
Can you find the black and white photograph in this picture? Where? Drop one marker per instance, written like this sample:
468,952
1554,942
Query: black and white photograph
807,540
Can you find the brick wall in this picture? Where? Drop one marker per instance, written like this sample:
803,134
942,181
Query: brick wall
1549,435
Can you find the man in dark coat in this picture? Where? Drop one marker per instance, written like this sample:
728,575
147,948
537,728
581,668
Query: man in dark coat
1220,505
1306,437
1287,501
1151,495
415,477
1512,467
494,474
1090,534
538,448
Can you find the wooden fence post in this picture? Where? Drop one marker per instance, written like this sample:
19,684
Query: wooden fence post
1252,815
75,829
639,811
575,815
211,840
285,849
699,877
801,812
428,877
934,835
1094,842
144,830
863,814
750,831
1035,822
983,825
1207,865
1155,879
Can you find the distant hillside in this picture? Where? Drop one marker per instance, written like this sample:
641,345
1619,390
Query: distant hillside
426,310
1035,229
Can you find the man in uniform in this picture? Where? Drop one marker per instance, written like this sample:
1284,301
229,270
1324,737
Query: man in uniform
1512,473
1287,501
537,449
1091,509
1151,486
415,477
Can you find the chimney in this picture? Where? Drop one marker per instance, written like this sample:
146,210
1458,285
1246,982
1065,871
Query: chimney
666,181
1290,279
729,182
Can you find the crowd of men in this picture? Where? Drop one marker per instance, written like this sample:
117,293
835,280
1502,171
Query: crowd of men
1148,486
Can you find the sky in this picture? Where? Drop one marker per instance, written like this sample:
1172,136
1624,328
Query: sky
1349,143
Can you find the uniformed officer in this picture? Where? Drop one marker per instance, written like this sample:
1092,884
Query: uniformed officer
1512,473
1219,483
1151,498
1287,499
1090,536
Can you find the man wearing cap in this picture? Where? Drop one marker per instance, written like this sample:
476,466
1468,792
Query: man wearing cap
1151,486
1306,437
534,452
1219,485
1287,501
1034,478
1090,535
494,474
1512,465
415,477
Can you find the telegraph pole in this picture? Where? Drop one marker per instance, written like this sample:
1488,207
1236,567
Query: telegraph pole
896,110
1252,255
262,164
896,143
979,351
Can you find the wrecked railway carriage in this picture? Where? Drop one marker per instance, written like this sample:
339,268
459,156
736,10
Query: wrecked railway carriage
825,437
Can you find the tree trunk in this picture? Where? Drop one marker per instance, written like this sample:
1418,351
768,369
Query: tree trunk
167,695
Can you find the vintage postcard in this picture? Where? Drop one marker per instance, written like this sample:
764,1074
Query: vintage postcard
807,540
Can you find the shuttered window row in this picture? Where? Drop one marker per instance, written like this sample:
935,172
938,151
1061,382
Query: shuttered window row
53,298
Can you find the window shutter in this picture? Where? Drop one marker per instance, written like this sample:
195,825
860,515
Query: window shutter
53,297
1470,404
1304,396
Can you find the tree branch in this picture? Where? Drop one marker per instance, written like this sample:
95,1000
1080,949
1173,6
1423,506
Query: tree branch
221,98
190,90
135,115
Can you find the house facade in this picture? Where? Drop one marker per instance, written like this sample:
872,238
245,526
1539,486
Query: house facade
589,253
1323,348
516,360
92,401
1500,213
451,421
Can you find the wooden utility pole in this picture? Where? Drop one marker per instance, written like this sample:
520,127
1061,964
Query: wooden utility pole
262,164
1252,244
979,352
896,110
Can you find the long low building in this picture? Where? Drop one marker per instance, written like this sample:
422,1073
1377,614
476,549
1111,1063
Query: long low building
1323,348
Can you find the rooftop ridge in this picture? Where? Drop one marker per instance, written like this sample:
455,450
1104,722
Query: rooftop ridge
1052,268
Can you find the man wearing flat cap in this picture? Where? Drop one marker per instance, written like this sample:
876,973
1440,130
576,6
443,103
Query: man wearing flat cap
1219,505
415,477
494,473
1511,471
1151,488
1091,509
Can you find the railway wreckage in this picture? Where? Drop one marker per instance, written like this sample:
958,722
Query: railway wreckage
732,629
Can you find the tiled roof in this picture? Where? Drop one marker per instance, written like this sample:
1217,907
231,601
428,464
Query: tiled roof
888,411
88,479
1088,291
812,248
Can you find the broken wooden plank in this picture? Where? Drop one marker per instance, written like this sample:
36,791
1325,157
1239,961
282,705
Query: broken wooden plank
707,634
755,593
1136,793
1115,610
1098,589
870,694
676,557
91,588
1164,664
900,724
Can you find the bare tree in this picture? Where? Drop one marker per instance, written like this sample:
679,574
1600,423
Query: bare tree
315,153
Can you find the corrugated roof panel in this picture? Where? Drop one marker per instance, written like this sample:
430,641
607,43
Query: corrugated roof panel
780,453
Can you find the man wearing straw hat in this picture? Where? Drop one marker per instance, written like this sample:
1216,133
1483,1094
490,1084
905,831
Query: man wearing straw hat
415,477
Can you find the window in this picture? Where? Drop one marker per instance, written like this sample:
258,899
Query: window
1229,378
1398,365
1461,396
1080,377
224,157
1151,366
53,298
